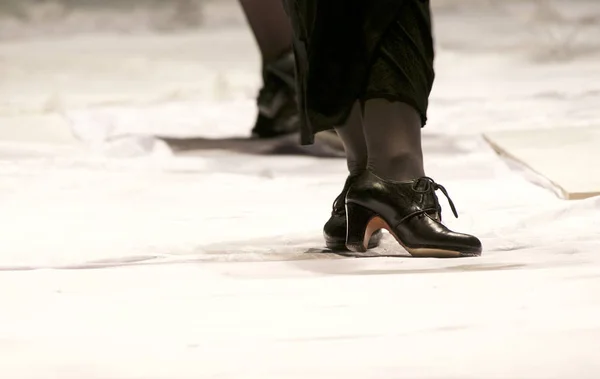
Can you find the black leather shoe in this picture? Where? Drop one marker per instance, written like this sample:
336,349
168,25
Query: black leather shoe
410,211
334,230
277,105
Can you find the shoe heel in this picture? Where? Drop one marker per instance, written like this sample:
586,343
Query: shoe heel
357,229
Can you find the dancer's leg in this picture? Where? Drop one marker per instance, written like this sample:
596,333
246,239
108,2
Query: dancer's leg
393,139
271,27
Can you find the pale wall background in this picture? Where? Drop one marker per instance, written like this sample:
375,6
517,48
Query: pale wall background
44,18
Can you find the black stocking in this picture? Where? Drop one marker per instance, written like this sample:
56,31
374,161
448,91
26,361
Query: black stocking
271,27
353,138
393,138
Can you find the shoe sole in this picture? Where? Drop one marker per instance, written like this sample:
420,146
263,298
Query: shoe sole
377,223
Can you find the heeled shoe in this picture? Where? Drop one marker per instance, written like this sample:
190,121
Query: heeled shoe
410,211
277,106
334,230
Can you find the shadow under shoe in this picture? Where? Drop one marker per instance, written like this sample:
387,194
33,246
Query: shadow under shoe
334,230
277,105
410,211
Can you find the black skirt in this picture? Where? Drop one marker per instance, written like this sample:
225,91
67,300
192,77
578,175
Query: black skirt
349,50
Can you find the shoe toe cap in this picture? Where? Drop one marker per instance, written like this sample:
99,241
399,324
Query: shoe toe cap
467,244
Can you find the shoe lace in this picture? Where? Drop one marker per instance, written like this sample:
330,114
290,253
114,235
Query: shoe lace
427,185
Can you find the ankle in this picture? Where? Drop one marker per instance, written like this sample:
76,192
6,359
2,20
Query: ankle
356,168
400,168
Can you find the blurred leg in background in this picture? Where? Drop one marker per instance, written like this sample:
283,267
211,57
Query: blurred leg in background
277,108
270,26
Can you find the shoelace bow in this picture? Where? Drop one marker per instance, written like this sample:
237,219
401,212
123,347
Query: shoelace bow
429,185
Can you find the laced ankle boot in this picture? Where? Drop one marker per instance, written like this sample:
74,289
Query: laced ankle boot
410,211
277,105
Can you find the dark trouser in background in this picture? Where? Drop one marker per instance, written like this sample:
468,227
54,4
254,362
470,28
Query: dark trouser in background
277,107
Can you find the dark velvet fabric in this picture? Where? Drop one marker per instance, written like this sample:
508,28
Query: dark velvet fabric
348,50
